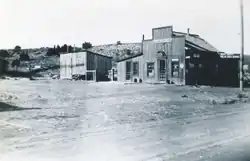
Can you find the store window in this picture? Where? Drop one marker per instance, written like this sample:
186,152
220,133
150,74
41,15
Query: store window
135,68
175,68
150,69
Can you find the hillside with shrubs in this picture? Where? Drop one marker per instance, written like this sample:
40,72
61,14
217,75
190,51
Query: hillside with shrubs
45,62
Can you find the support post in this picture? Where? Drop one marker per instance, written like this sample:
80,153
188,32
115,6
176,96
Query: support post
242,46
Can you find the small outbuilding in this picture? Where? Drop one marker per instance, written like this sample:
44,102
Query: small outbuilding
85,65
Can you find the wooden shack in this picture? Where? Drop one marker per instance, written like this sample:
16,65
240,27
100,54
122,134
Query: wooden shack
85,65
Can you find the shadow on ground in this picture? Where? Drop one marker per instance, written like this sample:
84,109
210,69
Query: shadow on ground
5,107
33,73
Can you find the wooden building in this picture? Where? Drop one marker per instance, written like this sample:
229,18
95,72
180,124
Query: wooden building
172,57
85,65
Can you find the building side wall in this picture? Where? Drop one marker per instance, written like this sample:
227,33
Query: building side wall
141,67
162,33
79,63
149,55
177,51
99,63
121,71
65,66
150,51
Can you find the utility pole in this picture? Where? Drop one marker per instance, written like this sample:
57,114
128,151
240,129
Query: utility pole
242,46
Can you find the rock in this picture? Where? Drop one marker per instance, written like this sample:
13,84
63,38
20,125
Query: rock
242,95
184,96
214,102
229,101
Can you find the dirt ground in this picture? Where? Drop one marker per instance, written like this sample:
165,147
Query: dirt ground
67,120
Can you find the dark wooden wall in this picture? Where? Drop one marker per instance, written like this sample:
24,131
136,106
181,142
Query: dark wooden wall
99,63
202,70
228,73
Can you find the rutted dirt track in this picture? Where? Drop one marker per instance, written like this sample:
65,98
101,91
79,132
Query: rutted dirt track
112,121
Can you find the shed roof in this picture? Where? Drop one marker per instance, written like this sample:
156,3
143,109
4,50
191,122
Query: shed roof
127,58
98,54
93,53
197,41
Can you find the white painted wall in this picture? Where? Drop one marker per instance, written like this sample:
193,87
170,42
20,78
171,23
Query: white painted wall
79,63
65,66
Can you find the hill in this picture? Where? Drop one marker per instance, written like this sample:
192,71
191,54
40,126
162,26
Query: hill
49,66
118,51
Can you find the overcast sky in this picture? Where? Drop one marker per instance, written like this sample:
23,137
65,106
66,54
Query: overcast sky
37,23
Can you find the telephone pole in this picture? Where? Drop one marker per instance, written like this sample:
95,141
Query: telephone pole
242,45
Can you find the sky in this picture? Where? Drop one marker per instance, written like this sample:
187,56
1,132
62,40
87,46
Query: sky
42,23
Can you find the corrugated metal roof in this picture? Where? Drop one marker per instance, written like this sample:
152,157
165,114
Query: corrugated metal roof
198,41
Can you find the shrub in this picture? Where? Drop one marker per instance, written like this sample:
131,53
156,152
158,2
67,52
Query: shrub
17,49
86,45
118,43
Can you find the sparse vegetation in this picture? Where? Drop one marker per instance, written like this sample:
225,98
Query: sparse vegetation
4,53
24,56
128,52
48,58
15,63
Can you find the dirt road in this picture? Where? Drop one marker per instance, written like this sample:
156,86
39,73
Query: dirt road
113,122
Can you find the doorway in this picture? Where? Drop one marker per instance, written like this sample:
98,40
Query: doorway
162,70
128,70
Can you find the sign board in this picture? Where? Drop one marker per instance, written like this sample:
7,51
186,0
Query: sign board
161,53
230,56
151,74
163,40
181,65
175,60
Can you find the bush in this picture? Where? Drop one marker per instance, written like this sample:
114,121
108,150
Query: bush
17,49
118,43
52,52
86,45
